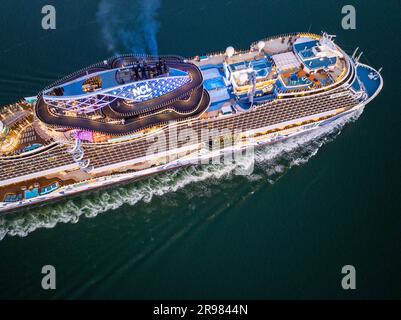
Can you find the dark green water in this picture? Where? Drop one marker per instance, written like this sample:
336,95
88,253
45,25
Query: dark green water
311,206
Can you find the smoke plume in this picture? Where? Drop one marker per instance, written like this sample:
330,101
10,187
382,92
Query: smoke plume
129,25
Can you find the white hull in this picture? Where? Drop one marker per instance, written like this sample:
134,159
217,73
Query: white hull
202,156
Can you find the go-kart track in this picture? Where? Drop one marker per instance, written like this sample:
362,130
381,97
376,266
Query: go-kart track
188,100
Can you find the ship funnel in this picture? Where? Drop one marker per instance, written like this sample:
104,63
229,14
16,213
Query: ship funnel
230,51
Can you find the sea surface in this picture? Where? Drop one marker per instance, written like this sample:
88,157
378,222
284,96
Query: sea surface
312,204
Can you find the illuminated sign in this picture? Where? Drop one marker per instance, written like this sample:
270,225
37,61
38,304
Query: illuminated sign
150,89
142,92
136,92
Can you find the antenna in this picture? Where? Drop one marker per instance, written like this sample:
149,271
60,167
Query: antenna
356,50
359,57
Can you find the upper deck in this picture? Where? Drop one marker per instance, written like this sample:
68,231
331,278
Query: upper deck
267,89
292,65
103,103
104,82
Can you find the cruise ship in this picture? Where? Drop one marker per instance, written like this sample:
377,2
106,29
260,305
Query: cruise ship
135,115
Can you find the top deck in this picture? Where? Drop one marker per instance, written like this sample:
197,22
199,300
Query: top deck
220,84
270,69
107,80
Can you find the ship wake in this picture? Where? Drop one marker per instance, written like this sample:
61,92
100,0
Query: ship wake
270,164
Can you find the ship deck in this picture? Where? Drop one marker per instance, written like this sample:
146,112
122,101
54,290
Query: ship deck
273,100
272,83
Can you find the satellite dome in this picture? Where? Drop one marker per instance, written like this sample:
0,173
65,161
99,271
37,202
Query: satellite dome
230,51
261,45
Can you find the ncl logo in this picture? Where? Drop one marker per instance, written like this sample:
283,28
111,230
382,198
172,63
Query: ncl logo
141,92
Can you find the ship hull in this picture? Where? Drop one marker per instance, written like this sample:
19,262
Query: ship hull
187,127
107,182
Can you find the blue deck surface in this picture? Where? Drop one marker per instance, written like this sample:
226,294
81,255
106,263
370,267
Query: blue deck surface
305,45
305,51
320,63
75,88
300,83
109,81
215,83
296,81
210,66
308,53
370,85
262,66
175,72
216,106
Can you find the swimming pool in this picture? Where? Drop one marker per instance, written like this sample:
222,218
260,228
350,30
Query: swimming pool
214,83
